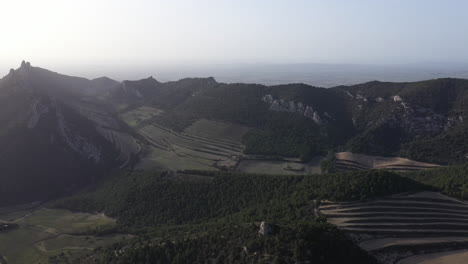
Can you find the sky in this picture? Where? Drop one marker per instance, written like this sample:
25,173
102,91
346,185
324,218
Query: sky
130,33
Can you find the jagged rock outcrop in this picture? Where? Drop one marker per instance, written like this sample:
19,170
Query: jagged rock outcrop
282,105
417,119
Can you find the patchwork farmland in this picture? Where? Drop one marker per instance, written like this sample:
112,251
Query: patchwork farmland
406,228
43,234
212,145
346,161
191,149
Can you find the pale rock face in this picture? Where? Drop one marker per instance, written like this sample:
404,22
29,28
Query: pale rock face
281,105
317,118
292,107
268,99
397,98
75,141
138,94
275,106
300,107
309,112
265,229
37,109
349,94
360,97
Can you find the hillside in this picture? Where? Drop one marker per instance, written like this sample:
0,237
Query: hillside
420,121
215,215
397,227
88,127
172,165
200,215
54,136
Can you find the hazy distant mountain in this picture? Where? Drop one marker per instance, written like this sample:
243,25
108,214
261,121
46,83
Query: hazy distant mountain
316,74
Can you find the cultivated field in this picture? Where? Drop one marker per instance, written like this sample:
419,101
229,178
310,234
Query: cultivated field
205,145
136,116
396,228
217,130
44,233
452,257
285,167
352,161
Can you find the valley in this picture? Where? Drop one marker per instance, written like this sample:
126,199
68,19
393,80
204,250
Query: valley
46,235
404,228
139,170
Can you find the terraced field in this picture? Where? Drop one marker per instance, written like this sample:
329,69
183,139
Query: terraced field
138,115
406,228
44,233
285,167
196,150
351,161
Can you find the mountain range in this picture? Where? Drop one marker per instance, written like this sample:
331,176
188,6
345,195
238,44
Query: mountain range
61,133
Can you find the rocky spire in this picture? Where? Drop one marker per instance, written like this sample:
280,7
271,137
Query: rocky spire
25,64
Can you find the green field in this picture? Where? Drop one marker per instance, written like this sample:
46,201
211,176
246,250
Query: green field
136,116
217,130
280,167
45,233
202,151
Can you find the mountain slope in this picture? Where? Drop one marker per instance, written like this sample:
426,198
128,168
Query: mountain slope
61,132
50,143
413,120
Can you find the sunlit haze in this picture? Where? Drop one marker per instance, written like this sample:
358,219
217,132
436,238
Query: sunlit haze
119,35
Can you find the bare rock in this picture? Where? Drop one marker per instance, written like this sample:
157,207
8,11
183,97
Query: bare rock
265,229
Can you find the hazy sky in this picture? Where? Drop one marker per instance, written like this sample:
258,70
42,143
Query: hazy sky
130,32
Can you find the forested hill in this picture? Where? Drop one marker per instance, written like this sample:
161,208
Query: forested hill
62,132
425,121
197,216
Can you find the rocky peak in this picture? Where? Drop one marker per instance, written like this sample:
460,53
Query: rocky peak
25,64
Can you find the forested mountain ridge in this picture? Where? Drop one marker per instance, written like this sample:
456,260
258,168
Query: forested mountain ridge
65,137
78,122
414,120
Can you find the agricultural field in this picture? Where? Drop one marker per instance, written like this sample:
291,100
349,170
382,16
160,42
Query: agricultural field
212,150
217,130
43,233
285,167
134,117
425,227
212,145
452,257
352,161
